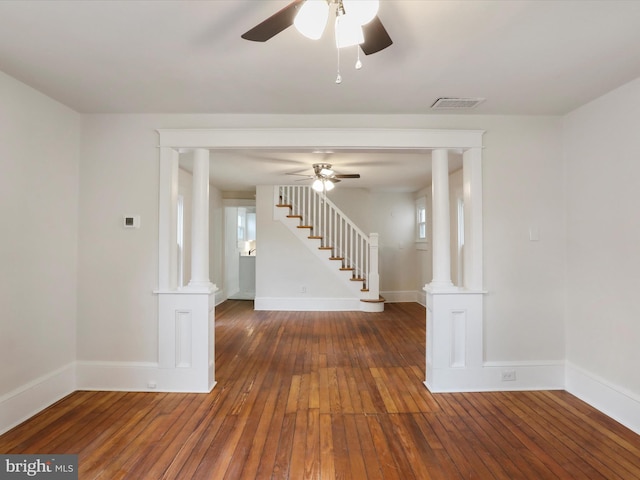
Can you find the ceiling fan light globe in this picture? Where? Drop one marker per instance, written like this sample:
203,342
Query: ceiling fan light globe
312,18
318,185
363,11
326,172
348,31
328,185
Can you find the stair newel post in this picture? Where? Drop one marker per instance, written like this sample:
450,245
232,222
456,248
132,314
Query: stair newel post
373,279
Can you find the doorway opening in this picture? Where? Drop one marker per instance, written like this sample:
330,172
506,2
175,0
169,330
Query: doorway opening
240,252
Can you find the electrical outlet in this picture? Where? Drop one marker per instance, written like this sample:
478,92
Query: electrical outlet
508,375
152,385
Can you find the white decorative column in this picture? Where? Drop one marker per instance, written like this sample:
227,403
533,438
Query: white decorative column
441,223
472,191
454,346
200,222
186,316
168,253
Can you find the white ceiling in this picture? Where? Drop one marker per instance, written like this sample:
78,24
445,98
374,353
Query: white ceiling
525,57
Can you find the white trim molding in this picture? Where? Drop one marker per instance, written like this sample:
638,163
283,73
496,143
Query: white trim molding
138,377
300,304
400,296
29,399
349,138
612,400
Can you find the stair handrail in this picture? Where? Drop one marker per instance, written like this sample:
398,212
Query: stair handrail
307,203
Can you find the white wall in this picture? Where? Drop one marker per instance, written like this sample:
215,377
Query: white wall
603,244
39,154
455,195
185,188
284,265
117,268
392,216
216,241
424,253
522,188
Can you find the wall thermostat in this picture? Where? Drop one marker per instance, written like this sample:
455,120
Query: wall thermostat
131,221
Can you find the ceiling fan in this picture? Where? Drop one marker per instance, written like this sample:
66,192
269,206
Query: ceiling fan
357,22
324,177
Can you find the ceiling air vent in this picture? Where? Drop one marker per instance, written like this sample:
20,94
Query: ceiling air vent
444,103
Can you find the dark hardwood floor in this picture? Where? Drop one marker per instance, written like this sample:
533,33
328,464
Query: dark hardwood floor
328,395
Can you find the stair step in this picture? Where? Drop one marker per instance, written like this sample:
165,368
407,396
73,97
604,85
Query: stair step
284,205
357,279
364,289
305,226
336,258
325,248
295,216
346,269
379,300
315,237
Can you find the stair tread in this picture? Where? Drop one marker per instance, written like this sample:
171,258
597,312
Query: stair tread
294,216
373,300
325,248
344,269
357,279
315,237
305,226
284,205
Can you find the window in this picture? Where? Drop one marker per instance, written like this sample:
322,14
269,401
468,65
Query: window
421,220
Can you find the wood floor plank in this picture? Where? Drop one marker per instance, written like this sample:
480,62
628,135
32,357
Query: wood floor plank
368,448
388,466
330,395
299,445
312,449
341,461
356,457
568,442
327,451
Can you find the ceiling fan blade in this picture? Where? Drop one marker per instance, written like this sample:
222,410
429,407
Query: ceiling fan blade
275,24
347,175
333,179
376,37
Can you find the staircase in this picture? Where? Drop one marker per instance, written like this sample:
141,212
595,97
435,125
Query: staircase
333,237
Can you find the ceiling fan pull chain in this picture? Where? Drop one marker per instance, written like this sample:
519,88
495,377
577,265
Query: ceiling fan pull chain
338,77
358,62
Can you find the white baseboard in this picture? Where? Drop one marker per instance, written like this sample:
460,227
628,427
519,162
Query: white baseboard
139,377
301,304
220,296
612,400
488,378
24,402
407,296
421,298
